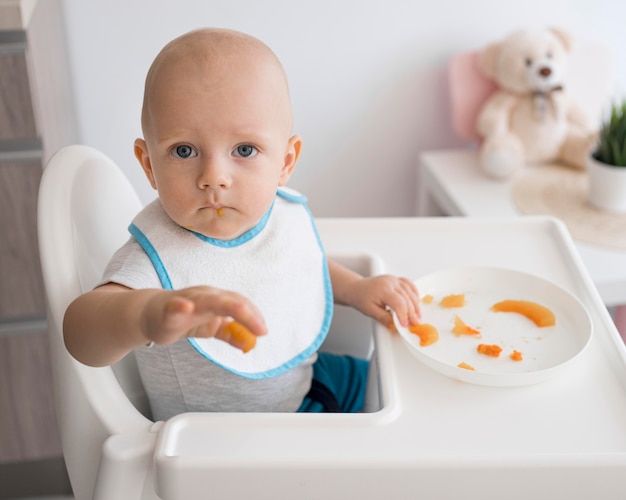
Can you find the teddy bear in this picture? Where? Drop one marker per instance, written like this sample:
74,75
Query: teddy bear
530,118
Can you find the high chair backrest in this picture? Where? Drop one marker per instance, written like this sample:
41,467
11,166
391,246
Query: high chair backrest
85,205
591,73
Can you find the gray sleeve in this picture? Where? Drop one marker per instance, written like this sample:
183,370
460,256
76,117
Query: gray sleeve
130,266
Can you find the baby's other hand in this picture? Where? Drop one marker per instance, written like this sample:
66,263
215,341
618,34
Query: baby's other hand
376,295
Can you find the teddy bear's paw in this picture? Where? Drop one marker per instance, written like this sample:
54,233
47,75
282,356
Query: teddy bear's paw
501,163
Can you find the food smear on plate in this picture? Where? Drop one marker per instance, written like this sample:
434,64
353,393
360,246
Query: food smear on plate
427,299
461,328
465,366
538,314
516,355
428,334
492,350
453,300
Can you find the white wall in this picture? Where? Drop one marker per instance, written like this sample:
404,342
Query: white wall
367,77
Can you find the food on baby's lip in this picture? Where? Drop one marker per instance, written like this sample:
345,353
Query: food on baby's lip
220,211
460,328
427,299
516,356
540,315
454,300
492,350
428,334
244,338
465,366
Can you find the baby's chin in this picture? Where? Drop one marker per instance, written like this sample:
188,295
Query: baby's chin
221,231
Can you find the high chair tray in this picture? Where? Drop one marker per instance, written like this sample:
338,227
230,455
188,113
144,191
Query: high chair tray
433,436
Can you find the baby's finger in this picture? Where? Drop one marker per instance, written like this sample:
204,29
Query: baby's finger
412,298
229,304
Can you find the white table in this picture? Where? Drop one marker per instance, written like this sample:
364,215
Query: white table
435,437
451,183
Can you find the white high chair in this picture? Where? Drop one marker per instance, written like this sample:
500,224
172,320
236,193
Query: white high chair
85,206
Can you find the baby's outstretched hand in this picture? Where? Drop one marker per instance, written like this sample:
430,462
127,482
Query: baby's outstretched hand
376,295
202,312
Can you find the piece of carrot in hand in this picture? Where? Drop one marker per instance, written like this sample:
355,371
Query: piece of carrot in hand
243,338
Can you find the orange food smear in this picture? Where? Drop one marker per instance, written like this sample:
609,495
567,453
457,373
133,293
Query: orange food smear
427,299
450,301
516,356
492,350
220,211
460,328
244,338
428,334
538,314
465,366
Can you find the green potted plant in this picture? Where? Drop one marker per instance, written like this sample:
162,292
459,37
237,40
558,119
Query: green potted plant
607,166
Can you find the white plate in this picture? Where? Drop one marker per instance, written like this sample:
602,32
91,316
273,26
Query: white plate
545,350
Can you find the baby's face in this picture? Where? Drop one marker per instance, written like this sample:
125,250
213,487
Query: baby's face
218,145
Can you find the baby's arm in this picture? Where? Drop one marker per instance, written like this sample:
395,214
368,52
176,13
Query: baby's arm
103,325
373,295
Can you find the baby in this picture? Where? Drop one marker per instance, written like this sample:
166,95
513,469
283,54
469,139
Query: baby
226,240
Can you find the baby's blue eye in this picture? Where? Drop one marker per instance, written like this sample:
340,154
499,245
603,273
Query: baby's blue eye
183,152
245,151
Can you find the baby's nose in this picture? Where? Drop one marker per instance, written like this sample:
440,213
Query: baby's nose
214,174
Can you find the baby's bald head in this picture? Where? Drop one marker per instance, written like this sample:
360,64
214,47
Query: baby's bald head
216,57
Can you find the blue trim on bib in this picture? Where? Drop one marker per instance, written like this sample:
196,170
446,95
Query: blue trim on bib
239,240
153,255
274,372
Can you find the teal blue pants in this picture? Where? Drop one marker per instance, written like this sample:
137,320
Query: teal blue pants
339,385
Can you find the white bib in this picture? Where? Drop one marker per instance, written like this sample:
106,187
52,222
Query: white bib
279,265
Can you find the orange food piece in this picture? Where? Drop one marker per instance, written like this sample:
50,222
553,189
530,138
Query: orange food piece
465,366
450,301
460,328
538,314
428,334
243,338
492,350
427,299
516,356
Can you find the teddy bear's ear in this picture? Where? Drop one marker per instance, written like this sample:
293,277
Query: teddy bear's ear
565,38
487,59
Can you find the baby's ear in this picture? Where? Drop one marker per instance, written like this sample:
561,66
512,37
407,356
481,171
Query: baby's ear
294,146
141,153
